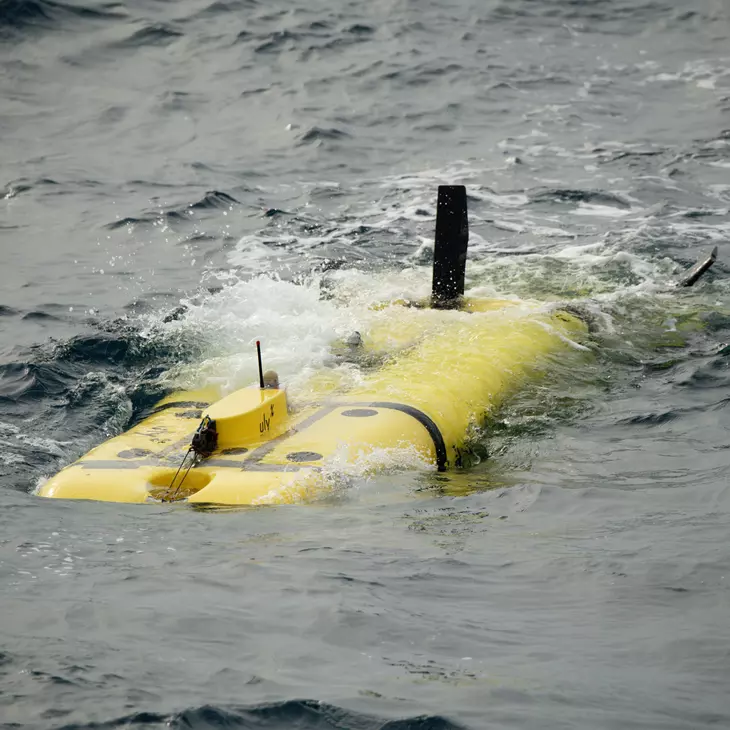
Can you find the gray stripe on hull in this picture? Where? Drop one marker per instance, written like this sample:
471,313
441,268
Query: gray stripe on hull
253,461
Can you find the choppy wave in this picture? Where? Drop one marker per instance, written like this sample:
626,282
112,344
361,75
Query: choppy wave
310,714
158,34
212,200
18,15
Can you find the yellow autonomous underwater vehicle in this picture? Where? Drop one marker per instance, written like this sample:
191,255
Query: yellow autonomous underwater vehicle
464,356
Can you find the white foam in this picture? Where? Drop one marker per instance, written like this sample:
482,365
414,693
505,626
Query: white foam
501,200
590,253
294,324
704,74
8,457
710,83
603,211
548,232
349,467
37,443
354,462
297,324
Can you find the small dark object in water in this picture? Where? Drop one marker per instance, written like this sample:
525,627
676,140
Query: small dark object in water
698,269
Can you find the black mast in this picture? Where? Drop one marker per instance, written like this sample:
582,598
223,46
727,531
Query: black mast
449,254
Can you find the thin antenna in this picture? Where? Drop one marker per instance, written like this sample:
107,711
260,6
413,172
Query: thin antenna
449,254
261,367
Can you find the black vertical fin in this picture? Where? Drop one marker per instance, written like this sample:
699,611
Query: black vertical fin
449,254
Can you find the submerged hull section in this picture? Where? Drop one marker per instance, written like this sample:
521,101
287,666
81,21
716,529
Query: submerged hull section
453,369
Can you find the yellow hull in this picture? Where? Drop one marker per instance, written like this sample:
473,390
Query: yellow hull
454,368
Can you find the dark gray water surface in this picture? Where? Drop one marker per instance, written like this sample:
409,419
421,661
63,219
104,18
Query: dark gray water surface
273,166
